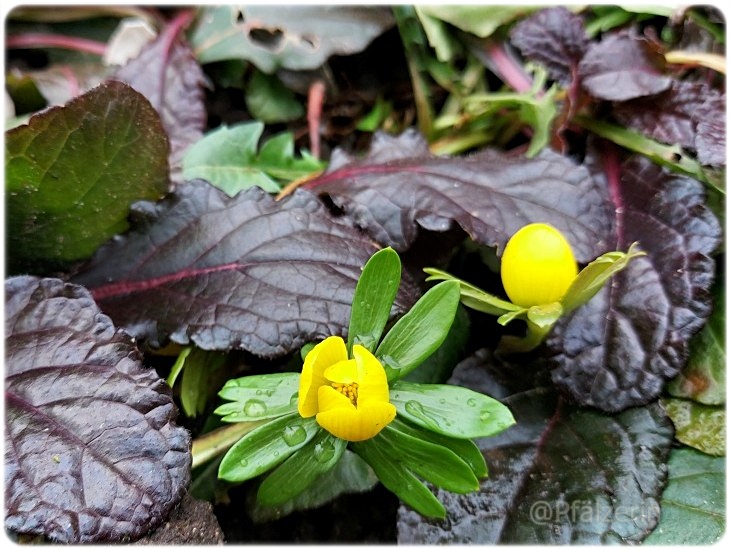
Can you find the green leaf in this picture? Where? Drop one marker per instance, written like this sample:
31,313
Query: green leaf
702,427
453,411
301,469
259,396
465,449
202,375
374,295
398,479
177,367
431,462
475,298
704,377
545,315
439,365
72,173
694,501
266,446
212,444
591,279
420,332
227,158
270,101
479,20
351,474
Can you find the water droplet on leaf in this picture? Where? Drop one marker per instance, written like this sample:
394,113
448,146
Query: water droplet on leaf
254,407
324,451
472,401
294,435
416,409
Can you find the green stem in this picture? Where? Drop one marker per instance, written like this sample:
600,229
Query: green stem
533,338
214,443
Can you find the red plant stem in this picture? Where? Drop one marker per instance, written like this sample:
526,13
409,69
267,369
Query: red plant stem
613,171
43,40
315,99
510,72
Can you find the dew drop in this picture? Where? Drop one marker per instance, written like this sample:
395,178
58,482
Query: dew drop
293,399
294,435
255,408
472,402
416,409
442,401
485,416
243,462
324,451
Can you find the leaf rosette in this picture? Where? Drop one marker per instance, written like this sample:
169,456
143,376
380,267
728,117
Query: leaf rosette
351,395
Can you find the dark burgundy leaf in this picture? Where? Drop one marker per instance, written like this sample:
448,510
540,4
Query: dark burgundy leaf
91,450
561,475
245,272
690,114
399,186
618,350
622,67
167,73
710,137
554,37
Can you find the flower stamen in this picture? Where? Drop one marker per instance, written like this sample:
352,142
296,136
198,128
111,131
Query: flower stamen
348,390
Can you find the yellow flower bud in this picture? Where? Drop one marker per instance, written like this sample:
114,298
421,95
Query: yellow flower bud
538,266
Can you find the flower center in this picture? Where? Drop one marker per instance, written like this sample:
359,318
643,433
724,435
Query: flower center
348,390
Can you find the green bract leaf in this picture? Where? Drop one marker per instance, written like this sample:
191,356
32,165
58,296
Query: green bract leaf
479,20
351,474
266,446
398,479
450,410
72,173
420,332
227,158
474,297
258,397
700,426
693,503
301,469
590,280
373,299
466,449
431,462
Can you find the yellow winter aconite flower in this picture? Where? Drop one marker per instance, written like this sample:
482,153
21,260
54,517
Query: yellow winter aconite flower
538,266
348,397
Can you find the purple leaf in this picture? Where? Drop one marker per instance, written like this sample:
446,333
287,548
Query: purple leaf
618,350
554,37
399,186
246,272
690,114
91,450
167,73
622,67
561,475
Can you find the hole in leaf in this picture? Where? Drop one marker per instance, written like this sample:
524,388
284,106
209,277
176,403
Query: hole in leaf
267,38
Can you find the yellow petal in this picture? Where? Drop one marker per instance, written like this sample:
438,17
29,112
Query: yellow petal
538,266
372,380
357,424
328,352
344,372
329,399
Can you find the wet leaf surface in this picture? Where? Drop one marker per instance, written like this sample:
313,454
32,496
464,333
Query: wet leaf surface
694,502
399,187
92,453
561,475
245,272
72,173
620,349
